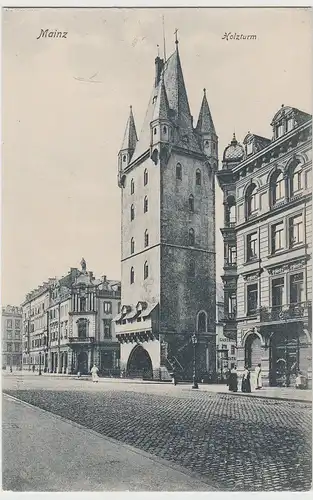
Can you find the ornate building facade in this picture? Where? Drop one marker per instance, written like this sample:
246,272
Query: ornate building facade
168,233
267,247
68,324
11,337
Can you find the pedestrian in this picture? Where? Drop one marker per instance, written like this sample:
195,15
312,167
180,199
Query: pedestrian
94,373
246,384
258,377
33,368
233,379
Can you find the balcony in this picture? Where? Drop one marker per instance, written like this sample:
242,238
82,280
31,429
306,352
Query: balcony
81,340
284,313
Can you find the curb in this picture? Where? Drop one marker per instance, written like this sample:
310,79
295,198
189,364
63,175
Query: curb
121,444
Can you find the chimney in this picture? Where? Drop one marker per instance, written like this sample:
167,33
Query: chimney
159,64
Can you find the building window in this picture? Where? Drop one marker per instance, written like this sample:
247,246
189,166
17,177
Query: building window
132,212
17,324
145,270
9,334
146,238
65,329
277,292
124,157
9,347
17,334
297,292
107,328
250,148
278,188
82,325
295,230
132,186
232,350
107,307
83,303
252,299
145,177
132,246
232,305
202,322
198,177
9,324
251,200
252,246
179,172
289,124
191,269
118,308
191,203
232,255
277,237
145,204
296,180
132,276
191,237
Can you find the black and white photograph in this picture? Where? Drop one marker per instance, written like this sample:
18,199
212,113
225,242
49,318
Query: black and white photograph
156,324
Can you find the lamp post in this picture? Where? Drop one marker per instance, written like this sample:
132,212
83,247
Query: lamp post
194,341
39,373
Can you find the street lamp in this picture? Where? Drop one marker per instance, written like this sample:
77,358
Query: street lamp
39,373
194,341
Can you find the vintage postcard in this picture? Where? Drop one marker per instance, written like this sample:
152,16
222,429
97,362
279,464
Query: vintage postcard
156,249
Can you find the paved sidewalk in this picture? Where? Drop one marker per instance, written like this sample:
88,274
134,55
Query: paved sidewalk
281,393
44,452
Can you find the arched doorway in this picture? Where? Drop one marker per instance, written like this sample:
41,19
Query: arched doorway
253,351
139,364
83,362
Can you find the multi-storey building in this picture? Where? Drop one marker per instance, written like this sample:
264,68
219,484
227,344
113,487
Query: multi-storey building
225,347
77,329
267,241
168,232
11,337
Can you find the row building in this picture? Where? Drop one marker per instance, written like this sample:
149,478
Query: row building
67,324
11,337
267,235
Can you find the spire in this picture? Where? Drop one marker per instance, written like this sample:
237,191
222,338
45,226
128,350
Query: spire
205,123
161,110
130,136
234,140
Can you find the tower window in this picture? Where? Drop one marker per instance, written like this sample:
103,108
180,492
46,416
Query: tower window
145,177
124,157
202,322
191,237
132,186
206,143
191,203
132,276
132,212
145,270
132,246
155,131
146,238
198,177
178,172
191,269
145,204
164,130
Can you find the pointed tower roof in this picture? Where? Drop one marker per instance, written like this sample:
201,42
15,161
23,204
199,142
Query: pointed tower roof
130,137
205,123
161,110
173,96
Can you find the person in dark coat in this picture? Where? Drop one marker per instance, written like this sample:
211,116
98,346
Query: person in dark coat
232,380
246,384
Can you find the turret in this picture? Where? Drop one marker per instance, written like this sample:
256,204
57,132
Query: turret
160,125
206,131
128,146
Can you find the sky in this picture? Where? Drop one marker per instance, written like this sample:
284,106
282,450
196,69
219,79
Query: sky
65,103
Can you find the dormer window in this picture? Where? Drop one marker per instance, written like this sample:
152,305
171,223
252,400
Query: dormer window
289,124
154,99
249,148
124,157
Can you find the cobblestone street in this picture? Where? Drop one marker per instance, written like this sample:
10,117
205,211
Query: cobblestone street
236,443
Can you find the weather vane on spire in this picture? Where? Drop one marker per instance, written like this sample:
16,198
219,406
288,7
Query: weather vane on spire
175,33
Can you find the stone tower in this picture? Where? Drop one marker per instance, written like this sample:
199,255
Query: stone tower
168,233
